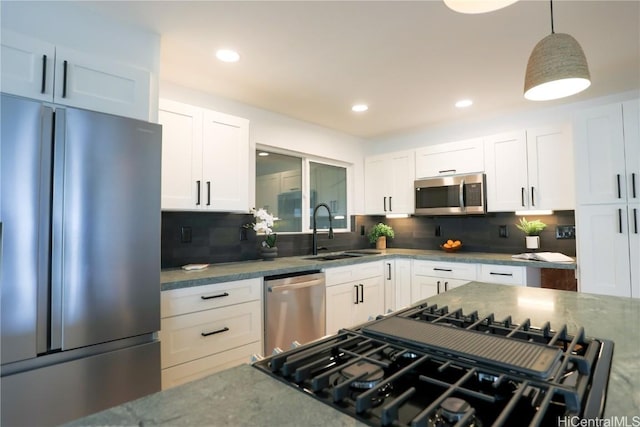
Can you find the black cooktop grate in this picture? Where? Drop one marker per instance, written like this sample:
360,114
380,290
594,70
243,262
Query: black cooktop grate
492,350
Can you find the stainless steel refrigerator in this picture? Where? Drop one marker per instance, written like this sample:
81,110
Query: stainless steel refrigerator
79,261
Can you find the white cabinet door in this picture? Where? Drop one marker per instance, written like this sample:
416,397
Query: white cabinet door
340,302
397,277
600,156
506,172
530,170
450,158
92,82
603,250
181,151
634,247
631,115
370,299
550,169
389,183
27,66
225,162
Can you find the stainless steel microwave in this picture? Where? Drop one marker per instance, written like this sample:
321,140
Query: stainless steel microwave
451,195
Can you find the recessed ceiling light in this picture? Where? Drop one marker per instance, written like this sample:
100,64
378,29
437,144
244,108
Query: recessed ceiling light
464,103
227,55
359,108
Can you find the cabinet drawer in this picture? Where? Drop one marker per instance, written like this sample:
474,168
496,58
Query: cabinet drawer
350,273
200,368
195,335
198,298
451,270
503,274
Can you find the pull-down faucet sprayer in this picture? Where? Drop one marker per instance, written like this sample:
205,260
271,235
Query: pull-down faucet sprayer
315,230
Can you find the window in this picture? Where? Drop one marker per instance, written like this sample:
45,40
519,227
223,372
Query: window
290,187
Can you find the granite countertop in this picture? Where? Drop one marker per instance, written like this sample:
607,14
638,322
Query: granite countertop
245,396
177,278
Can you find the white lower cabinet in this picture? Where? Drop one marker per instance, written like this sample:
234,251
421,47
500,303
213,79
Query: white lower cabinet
355,293
397,284
509,275
209,328
430,278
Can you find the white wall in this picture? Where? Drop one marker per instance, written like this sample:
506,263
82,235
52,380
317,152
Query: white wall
72,24
484,126
279,131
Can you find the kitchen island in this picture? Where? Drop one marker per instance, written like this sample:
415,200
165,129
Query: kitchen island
244,396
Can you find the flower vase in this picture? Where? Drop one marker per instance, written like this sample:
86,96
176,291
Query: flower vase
533,242
381,243
269,254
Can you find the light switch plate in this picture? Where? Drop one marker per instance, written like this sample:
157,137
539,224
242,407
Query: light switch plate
565,232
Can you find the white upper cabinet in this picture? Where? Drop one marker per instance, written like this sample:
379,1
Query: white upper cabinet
40,70
450,158
205,159
530,170
389,183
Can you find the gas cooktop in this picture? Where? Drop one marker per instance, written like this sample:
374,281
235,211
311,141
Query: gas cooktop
429,366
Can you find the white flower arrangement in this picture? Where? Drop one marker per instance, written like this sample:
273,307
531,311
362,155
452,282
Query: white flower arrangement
263,225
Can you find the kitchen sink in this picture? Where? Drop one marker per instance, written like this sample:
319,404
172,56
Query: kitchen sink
343,255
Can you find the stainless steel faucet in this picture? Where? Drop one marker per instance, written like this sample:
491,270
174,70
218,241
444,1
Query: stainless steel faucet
315,231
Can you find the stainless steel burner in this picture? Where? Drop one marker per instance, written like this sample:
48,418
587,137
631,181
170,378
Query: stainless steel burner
453,410
366,375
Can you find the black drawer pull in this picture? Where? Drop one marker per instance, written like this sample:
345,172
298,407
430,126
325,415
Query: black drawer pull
390,208
501,274
208,193
44,73
635,221
389,265
384,202
215,296
447,170
219,331
533,200
198,194
619,189
438,286
620,221
357,294
442,269
522,196
633,185
446,286
361,292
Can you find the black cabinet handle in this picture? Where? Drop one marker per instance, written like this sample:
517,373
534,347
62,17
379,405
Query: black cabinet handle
533,200
446,286
208,193
219,331
619,190
522,196
633,185
357,294
215,296
44,73
635,221
64,79
442,269
198,193
385,203
501,274
447,170
361,292
390,208
620,221
438,286
389,266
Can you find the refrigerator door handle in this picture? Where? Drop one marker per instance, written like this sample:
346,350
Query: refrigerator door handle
57,232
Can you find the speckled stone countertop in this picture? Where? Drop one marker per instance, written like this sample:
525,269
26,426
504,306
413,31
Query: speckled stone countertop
244,396
215,273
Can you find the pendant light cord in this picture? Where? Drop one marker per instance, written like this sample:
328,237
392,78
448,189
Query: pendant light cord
551,5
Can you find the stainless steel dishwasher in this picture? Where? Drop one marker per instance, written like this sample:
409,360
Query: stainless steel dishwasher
295,309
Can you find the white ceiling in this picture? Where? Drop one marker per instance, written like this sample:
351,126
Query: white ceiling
409,60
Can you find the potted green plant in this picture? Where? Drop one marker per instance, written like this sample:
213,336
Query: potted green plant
532,231
379,234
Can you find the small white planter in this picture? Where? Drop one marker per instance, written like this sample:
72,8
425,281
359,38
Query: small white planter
533,242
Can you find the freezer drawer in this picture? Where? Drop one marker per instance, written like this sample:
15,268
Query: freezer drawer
60,393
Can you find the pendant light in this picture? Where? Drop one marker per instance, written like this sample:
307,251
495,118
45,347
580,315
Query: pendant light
557,68
477,6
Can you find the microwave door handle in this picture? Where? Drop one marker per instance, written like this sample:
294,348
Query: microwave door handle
461,194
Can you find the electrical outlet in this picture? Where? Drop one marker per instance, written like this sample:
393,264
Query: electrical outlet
362,230
565,232
185,234
438,231
503,231
243,234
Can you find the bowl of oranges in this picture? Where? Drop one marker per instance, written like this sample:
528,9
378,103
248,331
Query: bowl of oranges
451,245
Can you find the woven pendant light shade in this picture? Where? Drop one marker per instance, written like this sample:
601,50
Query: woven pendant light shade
557,68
